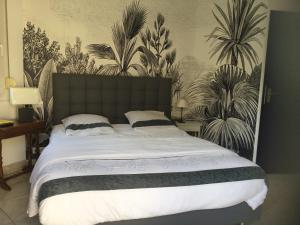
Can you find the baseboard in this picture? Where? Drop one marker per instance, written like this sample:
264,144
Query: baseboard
14,168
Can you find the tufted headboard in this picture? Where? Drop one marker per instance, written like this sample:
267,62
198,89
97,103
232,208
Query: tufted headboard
109,96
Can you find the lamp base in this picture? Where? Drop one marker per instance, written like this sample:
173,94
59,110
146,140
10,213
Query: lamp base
181,118
25,114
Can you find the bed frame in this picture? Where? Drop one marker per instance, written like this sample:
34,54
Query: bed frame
112,97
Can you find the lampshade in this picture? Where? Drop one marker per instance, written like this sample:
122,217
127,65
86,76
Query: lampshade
182,103
25,96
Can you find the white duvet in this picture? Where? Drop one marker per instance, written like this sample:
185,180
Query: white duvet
129,152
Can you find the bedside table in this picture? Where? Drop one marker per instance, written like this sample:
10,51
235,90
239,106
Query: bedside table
192,127
19,129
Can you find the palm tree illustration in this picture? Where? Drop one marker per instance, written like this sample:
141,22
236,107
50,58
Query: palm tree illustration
236,32
227,99
124,37
228,104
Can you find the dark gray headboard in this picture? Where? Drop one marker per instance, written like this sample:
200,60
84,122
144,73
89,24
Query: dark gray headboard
108,96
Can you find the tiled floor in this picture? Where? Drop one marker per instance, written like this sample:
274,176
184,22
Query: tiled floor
13,204
279,208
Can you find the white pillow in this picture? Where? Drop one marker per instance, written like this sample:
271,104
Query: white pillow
147,119
87,125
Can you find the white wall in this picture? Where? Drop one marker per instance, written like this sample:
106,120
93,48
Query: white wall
3,61
13,149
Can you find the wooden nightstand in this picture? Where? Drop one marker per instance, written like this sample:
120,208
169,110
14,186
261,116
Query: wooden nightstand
19,129
192,127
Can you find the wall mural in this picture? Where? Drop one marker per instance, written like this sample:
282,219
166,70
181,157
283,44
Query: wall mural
137,39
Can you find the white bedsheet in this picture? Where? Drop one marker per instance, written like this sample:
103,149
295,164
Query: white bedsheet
129,152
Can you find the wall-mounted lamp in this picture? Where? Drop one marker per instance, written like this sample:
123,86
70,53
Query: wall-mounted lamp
10,82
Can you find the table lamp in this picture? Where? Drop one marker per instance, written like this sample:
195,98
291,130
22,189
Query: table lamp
182,103
26,97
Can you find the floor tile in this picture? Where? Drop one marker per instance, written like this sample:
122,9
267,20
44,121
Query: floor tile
281,206
4,219
14,202
9,223
20,188
16,208
28,221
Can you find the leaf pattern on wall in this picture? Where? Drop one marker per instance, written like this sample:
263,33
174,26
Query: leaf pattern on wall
49,110
125,40
28,79
223,95
45,84
227,103
237,30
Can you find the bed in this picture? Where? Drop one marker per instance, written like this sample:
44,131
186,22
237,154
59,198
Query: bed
132,178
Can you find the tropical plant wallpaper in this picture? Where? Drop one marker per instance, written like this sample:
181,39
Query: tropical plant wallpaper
212,50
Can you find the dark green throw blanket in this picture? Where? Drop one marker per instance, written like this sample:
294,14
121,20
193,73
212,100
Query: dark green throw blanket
154,180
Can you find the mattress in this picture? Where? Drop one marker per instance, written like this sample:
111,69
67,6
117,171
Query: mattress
119,159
